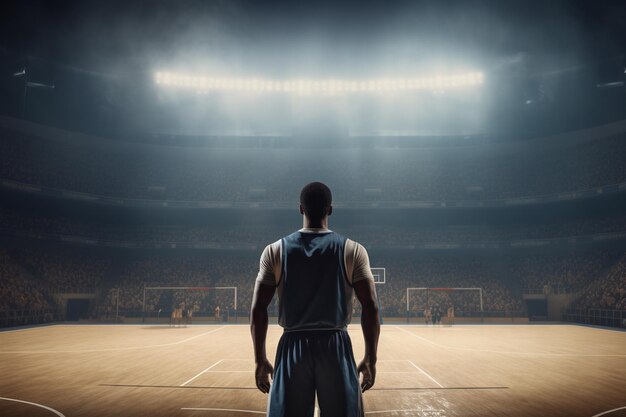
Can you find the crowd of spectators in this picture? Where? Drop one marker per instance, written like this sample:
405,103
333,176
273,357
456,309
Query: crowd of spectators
477,172
607,291
121,279
212,271
30,276
18,291
567,273
444,271
191,271
201,272
78,271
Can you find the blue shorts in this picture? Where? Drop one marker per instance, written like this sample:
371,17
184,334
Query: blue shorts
311,361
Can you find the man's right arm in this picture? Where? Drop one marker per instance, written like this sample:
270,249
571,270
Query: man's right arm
365,291
258,328
264,289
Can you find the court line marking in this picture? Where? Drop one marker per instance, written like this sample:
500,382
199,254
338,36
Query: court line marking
176,387
425,373
115,349
255,388
22,329
442,388
316,410
405,410
251,372
252,360
222,409
203,372
52,410
610,411
448,347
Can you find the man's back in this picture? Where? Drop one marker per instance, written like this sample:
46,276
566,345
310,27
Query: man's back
312,281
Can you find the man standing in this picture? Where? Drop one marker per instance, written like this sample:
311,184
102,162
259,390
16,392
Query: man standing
218,316
427,315
451,315
436,315
316,273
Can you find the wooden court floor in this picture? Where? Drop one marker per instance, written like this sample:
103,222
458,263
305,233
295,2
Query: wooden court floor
157,371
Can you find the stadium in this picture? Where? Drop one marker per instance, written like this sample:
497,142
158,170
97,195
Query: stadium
151,151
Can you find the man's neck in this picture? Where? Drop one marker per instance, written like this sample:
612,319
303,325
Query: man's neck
321,224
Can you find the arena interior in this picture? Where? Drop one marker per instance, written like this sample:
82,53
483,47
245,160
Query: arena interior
149,151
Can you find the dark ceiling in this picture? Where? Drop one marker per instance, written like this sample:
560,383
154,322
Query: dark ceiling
283,36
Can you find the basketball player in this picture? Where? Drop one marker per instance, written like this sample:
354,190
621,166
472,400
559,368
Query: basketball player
189,315
184,314
316,272
436,315
451,315
427,315
177,316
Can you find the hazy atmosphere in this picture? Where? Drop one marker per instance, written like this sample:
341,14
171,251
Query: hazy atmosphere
312,209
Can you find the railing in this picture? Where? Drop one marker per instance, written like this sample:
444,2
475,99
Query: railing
597,317
10,318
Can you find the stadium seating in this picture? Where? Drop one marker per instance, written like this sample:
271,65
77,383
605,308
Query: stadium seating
33,274
607,291
24,300
262,233
502,278
414,174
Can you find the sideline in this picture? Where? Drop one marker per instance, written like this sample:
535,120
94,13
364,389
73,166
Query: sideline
609,411
52,410
200,373
425,373
114,349
547,354
27,327
232,410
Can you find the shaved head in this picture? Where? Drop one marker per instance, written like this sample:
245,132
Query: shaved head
316,199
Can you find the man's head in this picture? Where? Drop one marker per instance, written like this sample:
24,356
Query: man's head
316,201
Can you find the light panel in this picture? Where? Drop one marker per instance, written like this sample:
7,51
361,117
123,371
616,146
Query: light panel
331,87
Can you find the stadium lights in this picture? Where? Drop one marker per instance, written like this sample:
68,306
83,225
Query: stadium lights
324,86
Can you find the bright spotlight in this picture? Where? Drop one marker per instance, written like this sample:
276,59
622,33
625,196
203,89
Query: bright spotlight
203,84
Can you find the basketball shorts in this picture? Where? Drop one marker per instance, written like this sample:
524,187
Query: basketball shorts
310,362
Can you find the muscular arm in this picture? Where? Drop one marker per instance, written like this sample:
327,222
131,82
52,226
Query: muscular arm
261,299
366,294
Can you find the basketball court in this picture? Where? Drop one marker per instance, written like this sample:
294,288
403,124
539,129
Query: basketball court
464,370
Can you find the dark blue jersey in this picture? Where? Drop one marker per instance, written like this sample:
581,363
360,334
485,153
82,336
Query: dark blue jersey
314,292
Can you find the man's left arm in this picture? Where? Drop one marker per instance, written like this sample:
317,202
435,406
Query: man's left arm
363,283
